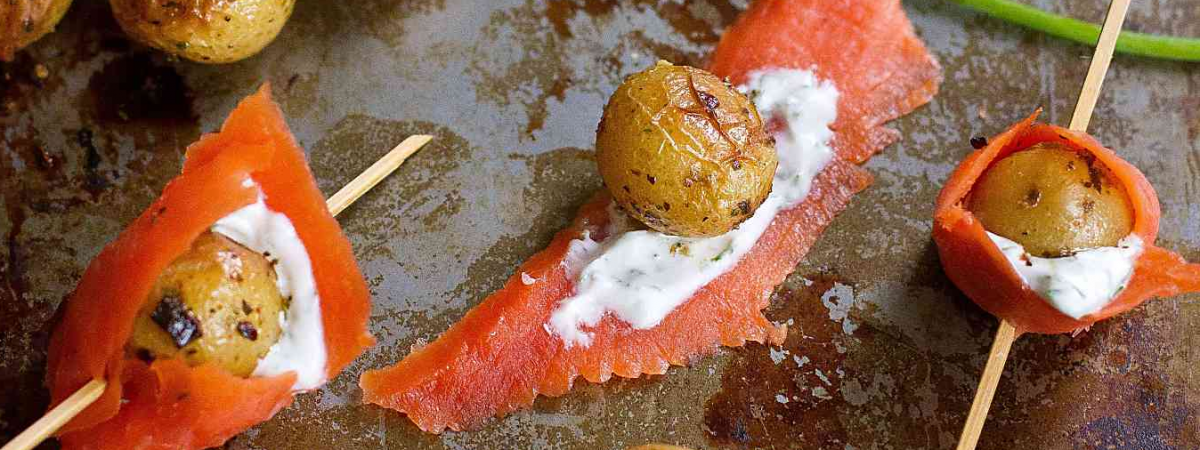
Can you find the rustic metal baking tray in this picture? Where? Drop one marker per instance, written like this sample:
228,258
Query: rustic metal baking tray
884,352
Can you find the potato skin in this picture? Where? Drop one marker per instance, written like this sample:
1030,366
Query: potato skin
206,31
25,21
229,292
683,152
1053,200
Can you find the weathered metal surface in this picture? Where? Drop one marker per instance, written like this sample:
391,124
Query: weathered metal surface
884,352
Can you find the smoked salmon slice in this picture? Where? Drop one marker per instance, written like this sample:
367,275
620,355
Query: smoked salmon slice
500,357
981,271
866,47
165,404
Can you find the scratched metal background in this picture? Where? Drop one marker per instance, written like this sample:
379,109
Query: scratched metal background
884,352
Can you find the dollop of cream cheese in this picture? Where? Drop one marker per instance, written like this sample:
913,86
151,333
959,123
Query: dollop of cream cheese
640,276
301,346
1080,284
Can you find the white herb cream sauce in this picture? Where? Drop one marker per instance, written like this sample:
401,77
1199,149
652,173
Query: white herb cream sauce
301,346
1080,284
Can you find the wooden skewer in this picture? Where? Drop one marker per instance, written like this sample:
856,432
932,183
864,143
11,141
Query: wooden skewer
1099,66
57,417
987,386
81,399
1079,122
376,173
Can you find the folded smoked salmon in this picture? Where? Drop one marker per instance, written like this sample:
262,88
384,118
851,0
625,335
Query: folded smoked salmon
505,351
251,172
980,267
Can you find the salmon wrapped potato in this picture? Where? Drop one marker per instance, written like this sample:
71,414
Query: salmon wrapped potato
1040,252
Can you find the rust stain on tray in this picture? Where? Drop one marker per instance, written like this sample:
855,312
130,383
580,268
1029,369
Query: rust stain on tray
840,379
845,377
134,89
780,396
1113,387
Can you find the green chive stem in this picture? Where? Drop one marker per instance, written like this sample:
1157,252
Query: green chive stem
1129,43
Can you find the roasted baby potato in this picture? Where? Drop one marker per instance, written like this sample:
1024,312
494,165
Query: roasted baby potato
1053,200
25,21
216,303
206,31
683,152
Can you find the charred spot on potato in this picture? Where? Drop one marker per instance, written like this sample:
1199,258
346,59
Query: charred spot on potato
650,178
247,330
708,100
246,308
177,320
1033,197
1097,179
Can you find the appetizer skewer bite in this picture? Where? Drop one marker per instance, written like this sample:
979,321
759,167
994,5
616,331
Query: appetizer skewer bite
1051,232
233,291
714,192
